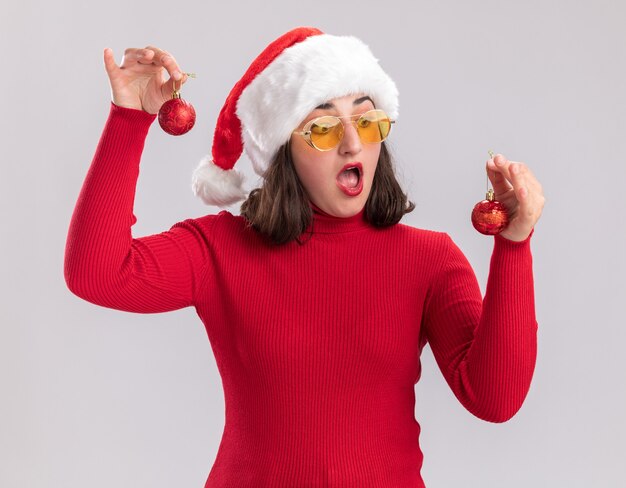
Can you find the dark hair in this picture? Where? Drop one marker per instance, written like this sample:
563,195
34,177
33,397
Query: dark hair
280,209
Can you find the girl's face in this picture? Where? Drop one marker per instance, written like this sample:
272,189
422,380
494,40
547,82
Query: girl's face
323,174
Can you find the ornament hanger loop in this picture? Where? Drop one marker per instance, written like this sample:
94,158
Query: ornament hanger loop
487,170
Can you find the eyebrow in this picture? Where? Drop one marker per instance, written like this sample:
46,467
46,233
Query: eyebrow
325,106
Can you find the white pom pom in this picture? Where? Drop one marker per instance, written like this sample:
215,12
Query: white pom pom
216,186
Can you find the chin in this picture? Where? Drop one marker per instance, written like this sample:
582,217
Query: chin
348,208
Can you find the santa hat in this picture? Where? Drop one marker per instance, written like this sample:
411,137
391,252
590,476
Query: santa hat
294,74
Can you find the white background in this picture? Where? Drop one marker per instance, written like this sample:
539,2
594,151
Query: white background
103,398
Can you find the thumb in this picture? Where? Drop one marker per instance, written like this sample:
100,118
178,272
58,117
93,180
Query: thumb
109,61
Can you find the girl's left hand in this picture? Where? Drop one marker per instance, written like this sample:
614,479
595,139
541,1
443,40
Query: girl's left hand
519,191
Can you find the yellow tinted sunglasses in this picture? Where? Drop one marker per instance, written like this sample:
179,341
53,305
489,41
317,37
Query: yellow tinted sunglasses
324,133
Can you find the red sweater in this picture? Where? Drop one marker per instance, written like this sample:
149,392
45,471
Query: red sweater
318,344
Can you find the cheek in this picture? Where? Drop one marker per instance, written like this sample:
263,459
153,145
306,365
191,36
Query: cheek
312,177
372,165
309,167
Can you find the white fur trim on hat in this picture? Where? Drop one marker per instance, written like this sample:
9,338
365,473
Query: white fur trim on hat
216,186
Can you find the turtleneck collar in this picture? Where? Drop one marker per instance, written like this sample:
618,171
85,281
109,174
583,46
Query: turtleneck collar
324,223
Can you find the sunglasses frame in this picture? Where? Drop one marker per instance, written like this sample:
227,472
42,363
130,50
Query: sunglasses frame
306,132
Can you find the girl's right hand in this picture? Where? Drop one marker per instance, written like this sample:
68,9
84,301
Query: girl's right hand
139,82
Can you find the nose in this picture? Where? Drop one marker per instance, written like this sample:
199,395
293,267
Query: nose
351,142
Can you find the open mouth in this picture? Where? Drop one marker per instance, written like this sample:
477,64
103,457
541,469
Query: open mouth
350,179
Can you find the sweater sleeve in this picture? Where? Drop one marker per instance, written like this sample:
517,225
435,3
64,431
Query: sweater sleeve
485,348
103,263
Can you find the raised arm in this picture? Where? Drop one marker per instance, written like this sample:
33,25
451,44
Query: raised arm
104,264
487,348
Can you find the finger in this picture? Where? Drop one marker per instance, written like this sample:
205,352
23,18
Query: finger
162,58
494,172
131,55
503,166
531,181
148,55
169,63
519,180
140,56
498,180
109,61
525,177
144,56
529,204
530,191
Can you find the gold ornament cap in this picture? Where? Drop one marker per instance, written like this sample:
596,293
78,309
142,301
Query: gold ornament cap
176,93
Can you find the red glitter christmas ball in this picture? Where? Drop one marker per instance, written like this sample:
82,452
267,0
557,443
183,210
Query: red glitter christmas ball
489,216
177,116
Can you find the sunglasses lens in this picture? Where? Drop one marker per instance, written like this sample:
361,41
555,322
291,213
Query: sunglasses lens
326,132
374,126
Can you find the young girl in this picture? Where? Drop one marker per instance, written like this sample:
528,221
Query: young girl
317,302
